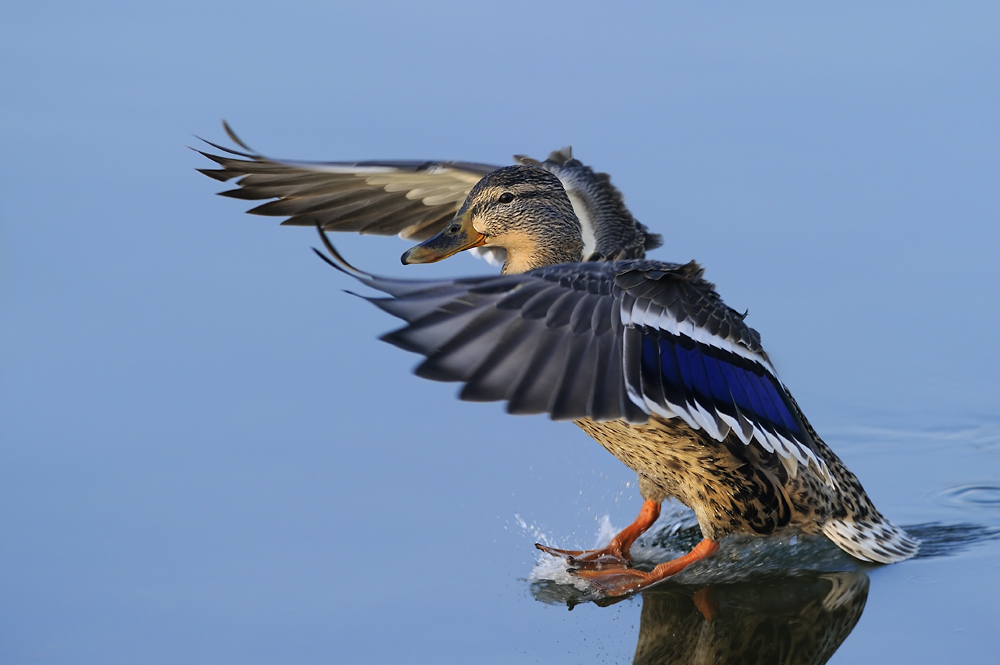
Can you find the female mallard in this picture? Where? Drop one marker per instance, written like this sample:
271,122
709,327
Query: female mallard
642,355
646,358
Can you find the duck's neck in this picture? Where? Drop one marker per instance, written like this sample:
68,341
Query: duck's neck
529,251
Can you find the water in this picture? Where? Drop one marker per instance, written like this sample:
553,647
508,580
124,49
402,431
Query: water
206,455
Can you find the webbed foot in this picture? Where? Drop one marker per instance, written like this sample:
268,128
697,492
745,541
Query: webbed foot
616,554
620,581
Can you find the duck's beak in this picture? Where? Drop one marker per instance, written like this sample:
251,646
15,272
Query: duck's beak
454,238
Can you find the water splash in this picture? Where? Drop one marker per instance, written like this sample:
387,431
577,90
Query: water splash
741,558
552,569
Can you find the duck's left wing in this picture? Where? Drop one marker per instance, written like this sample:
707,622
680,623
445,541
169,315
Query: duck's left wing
414,199
601,340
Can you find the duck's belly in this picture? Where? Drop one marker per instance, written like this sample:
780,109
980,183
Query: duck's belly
730,486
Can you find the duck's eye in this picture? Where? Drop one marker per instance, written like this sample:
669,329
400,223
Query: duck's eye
506,197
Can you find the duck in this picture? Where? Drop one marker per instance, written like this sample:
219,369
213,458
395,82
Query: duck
415,199
642,355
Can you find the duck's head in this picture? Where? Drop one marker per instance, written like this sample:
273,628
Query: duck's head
522,209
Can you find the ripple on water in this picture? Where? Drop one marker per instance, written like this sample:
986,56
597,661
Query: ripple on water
980,495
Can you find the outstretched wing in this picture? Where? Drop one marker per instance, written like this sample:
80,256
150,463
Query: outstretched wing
605,341
414,199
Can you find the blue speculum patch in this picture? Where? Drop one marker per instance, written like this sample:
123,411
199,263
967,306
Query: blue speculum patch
677,369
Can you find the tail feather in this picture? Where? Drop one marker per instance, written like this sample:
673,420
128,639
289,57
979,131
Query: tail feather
877,540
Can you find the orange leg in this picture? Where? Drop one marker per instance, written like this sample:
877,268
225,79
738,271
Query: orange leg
624,581
617,551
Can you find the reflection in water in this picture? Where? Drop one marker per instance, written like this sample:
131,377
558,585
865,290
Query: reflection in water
790,621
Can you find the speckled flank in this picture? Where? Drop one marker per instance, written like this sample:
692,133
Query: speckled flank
735,488
728,489
853,522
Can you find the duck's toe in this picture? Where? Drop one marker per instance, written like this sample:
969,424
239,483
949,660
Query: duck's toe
613,580
604,558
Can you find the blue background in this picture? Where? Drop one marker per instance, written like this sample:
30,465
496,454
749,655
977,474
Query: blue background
207,456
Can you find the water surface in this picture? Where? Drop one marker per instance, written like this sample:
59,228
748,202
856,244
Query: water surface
206,455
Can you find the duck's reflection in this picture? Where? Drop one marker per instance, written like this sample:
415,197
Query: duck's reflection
785,602
789,621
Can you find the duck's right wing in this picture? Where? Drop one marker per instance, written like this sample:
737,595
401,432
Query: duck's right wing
412,199
600,340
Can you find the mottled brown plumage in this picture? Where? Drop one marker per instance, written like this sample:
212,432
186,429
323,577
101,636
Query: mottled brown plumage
730,486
